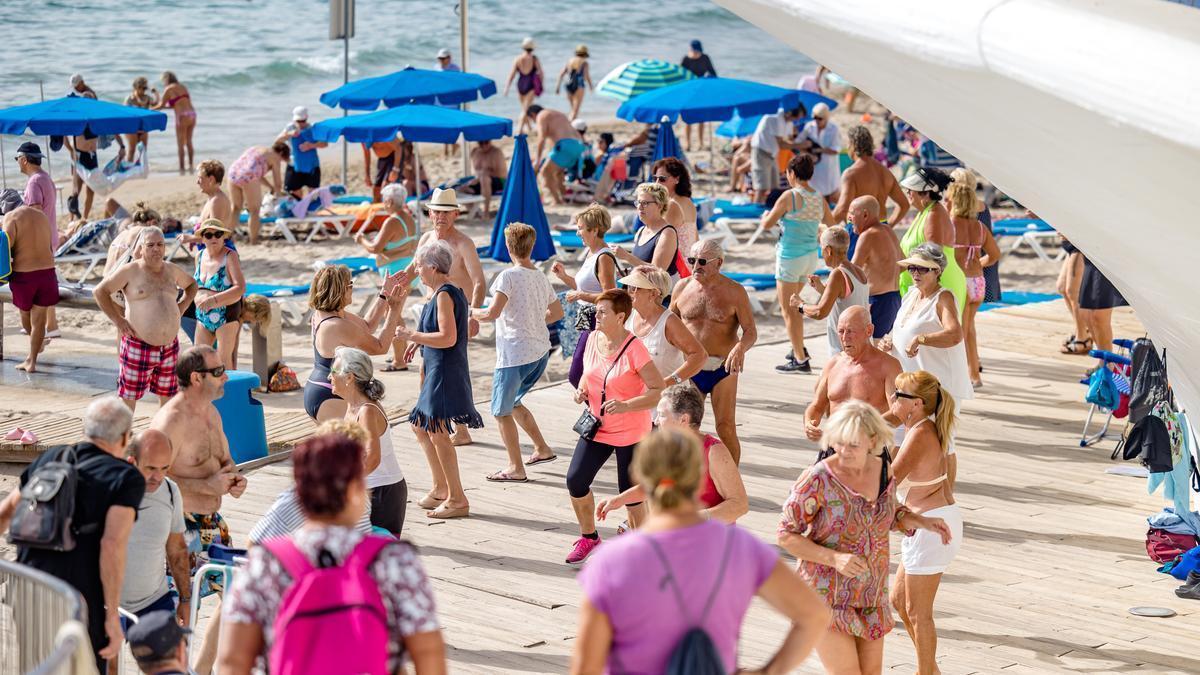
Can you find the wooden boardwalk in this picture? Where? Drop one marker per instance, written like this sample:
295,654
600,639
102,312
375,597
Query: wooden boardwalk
1053,555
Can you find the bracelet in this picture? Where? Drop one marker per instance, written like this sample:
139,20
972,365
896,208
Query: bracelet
382,296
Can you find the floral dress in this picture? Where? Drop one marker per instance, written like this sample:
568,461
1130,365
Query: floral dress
824,510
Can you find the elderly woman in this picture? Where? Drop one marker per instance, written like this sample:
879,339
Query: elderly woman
924,188
800,212
927,334
620,387
597,273
657,242
393,248
176,97
353,379
630,620
138,98
527,71
218,304
333,326
847,286
445,398
836,523
974,249
248,174
925,469
675,351
673,174
332,493
721,494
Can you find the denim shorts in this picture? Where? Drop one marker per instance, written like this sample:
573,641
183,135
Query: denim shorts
511,384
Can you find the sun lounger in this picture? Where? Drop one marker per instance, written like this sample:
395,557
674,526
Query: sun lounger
570,242
1120,366
1029,232
1014,298
87,246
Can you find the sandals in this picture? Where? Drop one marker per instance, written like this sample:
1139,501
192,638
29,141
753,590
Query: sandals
392,368
447,512
534,459
23,436
1077,347
428,502
506,477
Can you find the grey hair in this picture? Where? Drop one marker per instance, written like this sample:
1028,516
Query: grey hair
358,363
107,420
704,247
685,398
836,238
854,420
394,193
437,253
931,252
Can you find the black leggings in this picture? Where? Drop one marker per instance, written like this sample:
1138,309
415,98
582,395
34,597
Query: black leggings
587,461
388,504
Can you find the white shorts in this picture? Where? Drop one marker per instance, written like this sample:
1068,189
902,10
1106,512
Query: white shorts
796,270
923,553
764,171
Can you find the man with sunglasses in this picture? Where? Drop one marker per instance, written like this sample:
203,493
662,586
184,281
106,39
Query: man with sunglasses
716,309
149,323
861,371
203,467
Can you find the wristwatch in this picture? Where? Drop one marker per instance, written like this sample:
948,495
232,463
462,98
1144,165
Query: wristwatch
921,338
676,378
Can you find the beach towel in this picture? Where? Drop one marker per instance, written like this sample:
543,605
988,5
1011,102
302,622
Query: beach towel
108,178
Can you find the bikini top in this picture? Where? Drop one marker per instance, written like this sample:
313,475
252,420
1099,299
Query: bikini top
908,484
973,250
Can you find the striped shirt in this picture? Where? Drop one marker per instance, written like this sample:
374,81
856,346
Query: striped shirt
285,517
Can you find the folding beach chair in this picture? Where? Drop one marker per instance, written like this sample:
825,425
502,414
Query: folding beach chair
87,246
1121,372
1030,232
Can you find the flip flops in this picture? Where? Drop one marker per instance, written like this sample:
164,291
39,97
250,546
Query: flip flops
538,460
19,434
506,477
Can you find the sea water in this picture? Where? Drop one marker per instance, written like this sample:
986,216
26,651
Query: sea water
247,63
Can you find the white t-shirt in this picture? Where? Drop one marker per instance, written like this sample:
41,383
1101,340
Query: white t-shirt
768,132
826,175
521,333
158,516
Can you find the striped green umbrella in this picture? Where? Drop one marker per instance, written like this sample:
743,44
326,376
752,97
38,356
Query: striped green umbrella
639,77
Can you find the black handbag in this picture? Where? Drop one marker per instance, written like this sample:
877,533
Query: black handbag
588,424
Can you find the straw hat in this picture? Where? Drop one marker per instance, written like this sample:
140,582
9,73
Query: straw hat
212,224
444,200
581,51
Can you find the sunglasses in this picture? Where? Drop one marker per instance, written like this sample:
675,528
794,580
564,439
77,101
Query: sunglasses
212,234
661,179
700,261
916,269
912,397
215,371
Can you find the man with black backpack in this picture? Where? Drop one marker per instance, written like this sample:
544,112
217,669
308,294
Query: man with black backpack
72,515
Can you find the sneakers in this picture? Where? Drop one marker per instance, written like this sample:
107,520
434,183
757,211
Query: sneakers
1190,588
583,548
794,366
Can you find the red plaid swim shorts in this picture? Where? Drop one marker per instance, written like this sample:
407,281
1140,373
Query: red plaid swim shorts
146,366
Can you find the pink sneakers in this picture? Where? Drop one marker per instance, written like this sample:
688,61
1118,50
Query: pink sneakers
583,548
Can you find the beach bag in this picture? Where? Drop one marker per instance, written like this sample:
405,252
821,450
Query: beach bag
1150,441
1163,546
283,379
321,602
44,517
1102,390
5,258
696,653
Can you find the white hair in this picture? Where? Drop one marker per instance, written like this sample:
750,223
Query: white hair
395,194
107,420
438,253
854,421
358,364
708,248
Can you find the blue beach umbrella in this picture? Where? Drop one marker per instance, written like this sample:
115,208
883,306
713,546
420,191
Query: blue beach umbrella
666,144
715,99
638,77
417,123
411,85
521,204
71,115
738,127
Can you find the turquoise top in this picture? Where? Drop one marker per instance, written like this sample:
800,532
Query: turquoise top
800,224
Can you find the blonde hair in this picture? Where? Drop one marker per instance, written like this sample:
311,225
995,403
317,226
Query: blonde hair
854,420
935,399
965,176
963,202
659,192
595,218
836,238
350,429
255,309
329,288
667,464
520,239
658,277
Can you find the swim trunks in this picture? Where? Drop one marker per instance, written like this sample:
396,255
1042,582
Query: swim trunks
884,308
924,553
145,366
202,530
39,287
476,188
707,379
566,152
764,172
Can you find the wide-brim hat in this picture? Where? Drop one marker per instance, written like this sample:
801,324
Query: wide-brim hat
582,51
443,200
919,261
212,224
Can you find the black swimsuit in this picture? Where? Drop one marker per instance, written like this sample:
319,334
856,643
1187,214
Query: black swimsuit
317,389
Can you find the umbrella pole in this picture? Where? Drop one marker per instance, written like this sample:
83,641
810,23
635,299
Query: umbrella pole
464,42
3,164
712,162
417,181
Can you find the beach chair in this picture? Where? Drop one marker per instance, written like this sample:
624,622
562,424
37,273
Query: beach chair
87,246
762,281
1030,232
1121,370
292,300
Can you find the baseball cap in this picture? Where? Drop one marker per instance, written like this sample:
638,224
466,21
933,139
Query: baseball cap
443,53
697,46
579,125
155,636
299,113
30,149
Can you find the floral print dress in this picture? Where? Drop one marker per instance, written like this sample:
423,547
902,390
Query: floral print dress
824,510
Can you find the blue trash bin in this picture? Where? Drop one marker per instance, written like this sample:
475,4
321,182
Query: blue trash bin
242,416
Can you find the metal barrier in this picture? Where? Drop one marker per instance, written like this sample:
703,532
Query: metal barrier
40,617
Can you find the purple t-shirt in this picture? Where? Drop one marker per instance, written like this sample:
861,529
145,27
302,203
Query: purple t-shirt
39,192
624,579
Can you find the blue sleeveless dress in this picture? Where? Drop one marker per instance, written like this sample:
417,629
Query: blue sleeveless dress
445,398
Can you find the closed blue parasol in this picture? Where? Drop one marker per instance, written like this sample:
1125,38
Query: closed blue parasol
411,85
666,144
72,115
521,204
417,123
715,99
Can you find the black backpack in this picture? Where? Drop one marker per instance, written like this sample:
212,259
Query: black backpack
46,511
1148,382
695,654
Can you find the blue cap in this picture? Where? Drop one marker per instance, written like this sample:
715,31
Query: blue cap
697,46
155,636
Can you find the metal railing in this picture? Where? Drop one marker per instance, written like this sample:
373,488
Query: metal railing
42,624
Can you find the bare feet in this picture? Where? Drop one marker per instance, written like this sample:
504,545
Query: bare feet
27,366
461,437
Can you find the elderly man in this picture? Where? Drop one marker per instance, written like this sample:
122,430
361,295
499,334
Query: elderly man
305,169
156,542
877,253
867,176
859,372
822,138
772,133
203,467
716,309
491,173
33,281
566,148
158,645
209,176
107,494
149,327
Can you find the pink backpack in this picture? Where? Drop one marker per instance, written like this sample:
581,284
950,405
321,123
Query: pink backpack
326,609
